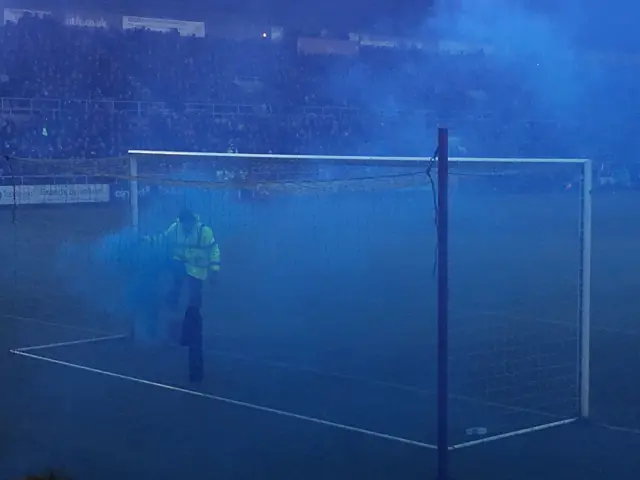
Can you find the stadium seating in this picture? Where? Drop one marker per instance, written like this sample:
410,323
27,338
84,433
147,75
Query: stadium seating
88,93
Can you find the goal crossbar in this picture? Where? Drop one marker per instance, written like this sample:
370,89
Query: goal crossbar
356,158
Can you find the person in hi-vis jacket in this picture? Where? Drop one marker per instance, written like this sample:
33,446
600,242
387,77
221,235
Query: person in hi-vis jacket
195,258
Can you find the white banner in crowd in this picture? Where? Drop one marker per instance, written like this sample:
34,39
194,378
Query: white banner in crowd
53,194
15,14
184,27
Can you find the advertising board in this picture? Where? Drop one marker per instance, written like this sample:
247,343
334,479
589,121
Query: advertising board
183,27
54,194
14,14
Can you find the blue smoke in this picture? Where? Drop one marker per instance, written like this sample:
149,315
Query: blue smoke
115,278
309,277
532,47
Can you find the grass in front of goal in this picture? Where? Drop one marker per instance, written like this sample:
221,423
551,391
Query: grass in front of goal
514,274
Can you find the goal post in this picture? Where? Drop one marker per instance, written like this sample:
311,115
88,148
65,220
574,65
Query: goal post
508,362
584,316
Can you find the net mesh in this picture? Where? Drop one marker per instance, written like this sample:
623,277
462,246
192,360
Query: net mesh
327,285
515,283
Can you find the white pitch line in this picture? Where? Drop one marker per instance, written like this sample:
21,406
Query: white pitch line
512,434
72,342
78,328
283,365
633,431
54,324
230,401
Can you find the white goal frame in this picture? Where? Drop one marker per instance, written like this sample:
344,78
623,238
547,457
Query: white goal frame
585,222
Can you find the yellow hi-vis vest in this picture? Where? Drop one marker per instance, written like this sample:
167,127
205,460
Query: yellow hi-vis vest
198,250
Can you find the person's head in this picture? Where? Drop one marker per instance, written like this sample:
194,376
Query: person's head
187,219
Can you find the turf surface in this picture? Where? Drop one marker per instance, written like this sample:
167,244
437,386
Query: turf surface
348,351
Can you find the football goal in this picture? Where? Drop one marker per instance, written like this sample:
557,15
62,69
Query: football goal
326,303
328,262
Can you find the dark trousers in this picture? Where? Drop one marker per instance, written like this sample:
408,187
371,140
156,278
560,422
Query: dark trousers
180,279
191,331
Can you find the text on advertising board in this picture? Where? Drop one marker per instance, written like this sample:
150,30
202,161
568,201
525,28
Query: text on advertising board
78,20
53,194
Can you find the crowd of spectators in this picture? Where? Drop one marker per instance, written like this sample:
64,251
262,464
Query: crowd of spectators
90,93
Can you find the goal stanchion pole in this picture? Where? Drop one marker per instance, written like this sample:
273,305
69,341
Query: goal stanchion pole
133,191
584,320
442,222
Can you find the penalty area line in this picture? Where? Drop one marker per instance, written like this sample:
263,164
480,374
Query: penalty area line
230,401
630,430
515,433
54,324
72,342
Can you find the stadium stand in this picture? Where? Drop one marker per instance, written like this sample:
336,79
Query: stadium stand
86,93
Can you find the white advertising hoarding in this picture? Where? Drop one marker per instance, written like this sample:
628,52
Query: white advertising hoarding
14,14
53,194
183,27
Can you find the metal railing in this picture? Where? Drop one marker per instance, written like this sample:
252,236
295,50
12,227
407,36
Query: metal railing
14,105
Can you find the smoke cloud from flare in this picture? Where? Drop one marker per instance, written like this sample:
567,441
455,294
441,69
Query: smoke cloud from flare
536,49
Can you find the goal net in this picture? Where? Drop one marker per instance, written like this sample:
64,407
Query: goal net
325,304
